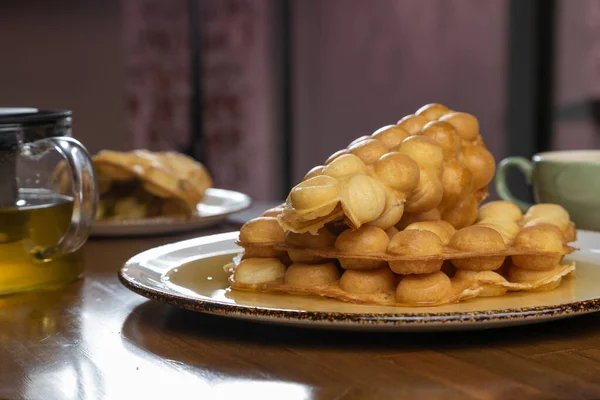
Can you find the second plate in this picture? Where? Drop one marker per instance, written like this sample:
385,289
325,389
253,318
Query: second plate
216,206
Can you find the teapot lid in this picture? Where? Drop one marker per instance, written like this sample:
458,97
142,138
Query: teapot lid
30,116
23,125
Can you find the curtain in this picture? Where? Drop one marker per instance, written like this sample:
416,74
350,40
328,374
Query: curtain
239,114
157,70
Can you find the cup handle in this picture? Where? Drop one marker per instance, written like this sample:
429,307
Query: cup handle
525,166
85,195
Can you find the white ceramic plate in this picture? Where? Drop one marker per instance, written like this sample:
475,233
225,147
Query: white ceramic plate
216,206
189,274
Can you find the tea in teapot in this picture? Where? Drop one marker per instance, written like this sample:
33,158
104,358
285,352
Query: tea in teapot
41,231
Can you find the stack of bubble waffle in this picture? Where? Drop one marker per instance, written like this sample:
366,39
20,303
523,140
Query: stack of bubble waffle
440,253
140,184
430,165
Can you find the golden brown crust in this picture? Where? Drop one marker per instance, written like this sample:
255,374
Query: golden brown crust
142,184
372,287
432,161
164,174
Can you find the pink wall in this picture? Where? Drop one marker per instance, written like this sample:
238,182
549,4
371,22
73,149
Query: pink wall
360,65
577,50
577,71
67,54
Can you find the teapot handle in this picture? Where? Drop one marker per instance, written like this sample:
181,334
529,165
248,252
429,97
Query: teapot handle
85,195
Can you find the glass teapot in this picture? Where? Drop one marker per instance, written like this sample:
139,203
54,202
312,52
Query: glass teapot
42,228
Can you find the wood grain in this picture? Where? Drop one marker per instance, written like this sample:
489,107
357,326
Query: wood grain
95,339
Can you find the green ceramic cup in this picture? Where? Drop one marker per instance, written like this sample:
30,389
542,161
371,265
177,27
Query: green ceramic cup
568,178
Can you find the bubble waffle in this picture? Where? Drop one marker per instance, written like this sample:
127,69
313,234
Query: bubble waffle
141,183
426,263
431,163
393,219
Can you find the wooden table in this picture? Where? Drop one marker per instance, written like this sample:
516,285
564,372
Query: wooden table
95,339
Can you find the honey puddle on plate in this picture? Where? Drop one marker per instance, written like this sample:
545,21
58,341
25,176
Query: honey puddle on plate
205,279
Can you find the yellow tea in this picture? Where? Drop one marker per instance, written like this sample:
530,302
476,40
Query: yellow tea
38,220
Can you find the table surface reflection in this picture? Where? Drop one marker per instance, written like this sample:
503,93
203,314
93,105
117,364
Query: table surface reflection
95,339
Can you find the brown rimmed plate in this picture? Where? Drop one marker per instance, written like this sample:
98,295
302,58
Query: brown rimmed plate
189,274
216,206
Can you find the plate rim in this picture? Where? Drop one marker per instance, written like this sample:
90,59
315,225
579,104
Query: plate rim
99,227
168,295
